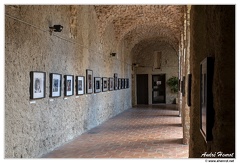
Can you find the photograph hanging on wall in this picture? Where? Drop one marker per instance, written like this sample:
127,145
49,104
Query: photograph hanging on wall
55,85
119,83
115,81
80,85
37,84
110,84
122,83
97,85
89,81
179,85
206,98
104,84
183,85
125,83
69,85
189,89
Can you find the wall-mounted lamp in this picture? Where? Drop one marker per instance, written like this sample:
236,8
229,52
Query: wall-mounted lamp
135,65
113,54
56,28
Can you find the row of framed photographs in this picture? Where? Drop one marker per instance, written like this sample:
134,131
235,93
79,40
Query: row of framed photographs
105,84
38,84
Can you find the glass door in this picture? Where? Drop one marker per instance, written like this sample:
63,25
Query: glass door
158,89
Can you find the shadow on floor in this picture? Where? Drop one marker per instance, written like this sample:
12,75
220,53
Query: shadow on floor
157,106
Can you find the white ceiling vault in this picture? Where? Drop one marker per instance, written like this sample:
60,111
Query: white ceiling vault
137,23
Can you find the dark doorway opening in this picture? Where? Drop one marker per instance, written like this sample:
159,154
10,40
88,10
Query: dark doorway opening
159,88
142,88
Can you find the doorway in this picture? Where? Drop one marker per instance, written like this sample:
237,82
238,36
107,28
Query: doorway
158,88
142,88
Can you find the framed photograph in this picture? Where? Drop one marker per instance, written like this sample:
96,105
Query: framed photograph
97,85
104,84
189,89
119,83
122,83
37,84
55,85
110,84
69,85
115,81
183,86
89,81
179,85
206,98
125,83
80,85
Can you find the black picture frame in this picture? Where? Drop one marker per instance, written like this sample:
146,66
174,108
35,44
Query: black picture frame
55,85
115,81
104,84
89,81
122,83
125,83
68,85
189,89
80,85
206,98
119,83
97,85
110,84
37,84
179,85
183,86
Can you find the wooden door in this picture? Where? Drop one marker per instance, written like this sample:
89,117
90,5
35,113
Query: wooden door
142,89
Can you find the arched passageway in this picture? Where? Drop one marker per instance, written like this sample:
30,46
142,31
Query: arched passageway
118,43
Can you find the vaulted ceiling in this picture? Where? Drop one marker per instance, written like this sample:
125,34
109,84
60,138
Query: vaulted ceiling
137,23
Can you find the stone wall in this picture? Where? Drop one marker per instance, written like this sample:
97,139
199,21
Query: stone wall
145,60
32,130
213,34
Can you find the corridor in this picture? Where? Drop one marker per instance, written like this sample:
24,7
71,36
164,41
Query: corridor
73,72
152,131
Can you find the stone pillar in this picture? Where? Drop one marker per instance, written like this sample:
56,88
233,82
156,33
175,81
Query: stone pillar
182,78
186,71
134,84
179,103
181,66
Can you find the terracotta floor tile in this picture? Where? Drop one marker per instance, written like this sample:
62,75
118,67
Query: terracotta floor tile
153,131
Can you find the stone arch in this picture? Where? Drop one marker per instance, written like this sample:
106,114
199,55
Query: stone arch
127,17
151,41
151,32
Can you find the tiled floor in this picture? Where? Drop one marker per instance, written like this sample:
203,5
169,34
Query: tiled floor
142,132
